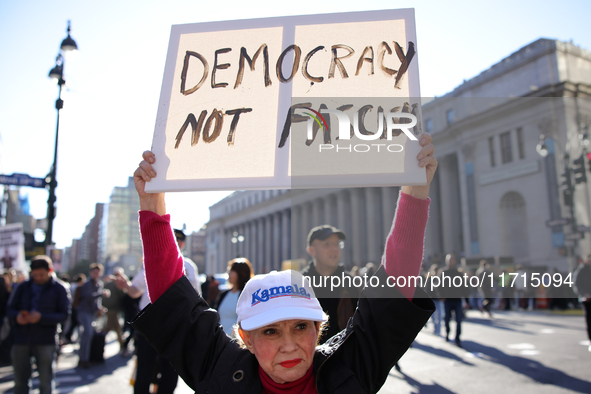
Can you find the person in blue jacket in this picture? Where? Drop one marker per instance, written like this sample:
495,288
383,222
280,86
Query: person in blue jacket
36,309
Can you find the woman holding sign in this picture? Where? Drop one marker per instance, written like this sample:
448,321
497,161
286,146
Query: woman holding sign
279,320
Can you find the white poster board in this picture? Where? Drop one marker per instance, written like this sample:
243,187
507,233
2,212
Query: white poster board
12,247
238,101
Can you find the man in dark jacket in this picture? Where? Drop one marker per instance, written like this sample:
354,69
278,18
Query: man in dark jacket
582,278
453,291
338,300
89,309
36,308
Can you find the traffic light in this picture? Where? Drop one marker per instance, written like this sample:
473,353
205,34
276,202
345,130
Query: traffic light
589,158
567,187
579,170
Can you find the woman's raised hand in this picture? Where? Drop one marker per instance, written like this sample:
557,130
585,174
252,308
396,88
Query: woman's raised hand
427,160
153,202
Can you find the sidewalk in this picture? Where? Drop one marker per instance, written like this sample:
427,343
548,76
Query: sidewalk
114,374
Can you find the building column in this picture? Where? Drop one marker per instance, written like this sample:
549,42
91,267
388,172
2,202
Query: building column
296,231
243,243
306,225
357,235
268,244
372,223
277,244
389,200
468,199
433,236
252,257
317,216
221,254
328,210
261,246
341,210
342,223
246,233
285,235
229,247
451,219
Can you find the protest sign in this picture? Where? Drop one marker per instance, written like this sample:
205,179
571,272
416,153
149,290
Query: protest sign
12,247
305,101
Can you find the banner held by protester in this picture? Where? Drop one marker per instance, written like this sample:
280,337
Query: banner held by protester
305,101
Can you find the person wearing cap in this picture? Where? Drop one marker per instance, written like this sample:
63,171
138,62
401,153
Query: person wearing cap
36,308
151,367
191,270
339,303
239,273
90,308
279,318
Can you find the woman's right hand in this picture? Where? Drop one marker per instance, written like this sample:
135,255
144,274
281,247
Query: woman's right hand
153,202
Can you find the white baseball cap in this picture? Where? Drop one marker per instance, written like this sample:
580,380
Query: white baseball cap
277,296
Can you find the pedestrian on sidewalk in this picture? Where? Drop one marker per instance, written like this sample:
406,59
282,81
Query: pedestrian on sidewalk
36,309
75,293
582,279
433,292
152,370
486,289
90,308
324,244
239,273
113,305
191,270
452,296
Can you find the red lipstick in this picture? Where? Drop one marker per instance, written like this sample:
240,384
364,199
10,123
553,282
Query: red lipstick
290,363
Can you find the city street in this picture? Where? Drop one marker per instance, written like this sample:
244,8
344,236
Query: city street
114,375
515,352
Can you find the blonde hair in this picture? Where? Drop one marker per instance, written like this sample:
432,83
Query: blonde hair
238,339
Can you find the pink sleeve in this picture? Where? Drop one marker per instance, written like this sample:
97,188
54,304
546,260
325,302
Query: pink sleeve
162,260
404,248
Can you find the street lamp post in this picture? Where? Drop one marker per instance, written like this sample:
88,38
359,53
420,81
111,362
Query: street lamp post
572,175
68,44
237,240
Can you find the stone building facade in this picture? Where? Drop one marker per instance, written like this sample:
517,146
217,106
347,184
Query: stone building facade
493,193
275,225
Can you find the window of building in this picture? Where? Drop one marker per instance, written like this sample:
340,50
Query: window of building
429,125
506,155
520,143
449,115
491,150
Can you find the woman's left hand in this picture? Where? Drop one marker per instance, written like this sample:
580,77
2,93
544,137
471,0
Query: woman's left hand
427,160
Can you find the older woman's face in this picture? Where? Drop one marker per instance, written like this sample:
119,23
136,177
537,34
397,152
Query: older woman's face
285,350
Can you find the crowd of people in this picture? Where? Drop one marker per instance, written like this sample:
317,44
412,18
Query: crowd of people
282,330
250,336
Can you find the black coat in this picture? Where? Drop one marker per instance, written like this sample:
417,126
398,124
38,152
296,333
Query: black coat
53,304
183,329
338,303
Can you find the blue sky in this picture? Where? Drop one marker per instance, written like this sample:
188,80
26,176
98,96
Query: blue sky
114,80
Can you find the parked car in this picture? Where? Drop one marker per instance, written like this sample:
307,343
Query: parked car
223,279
